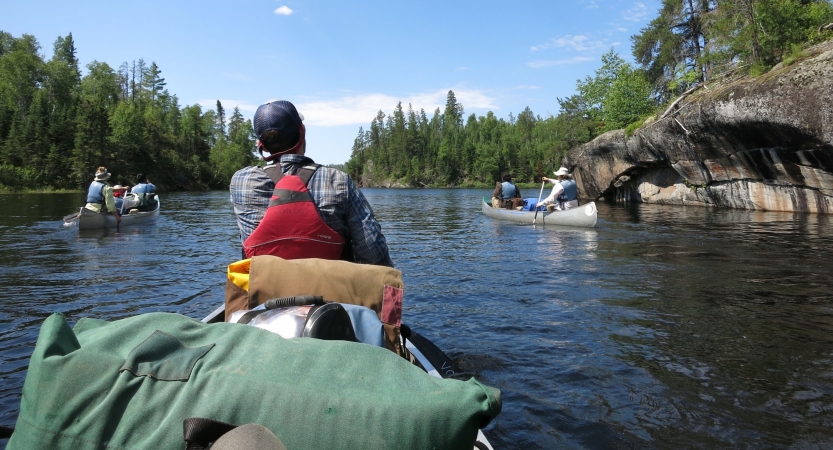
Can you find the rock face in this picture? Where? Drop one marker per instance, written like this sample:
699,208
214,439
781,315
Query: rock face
764,143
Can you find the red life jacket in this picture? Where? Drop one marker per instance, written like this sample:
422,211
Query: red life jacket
292,228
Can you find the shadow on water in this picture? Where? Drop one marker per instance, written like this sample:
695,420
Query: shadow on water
663,327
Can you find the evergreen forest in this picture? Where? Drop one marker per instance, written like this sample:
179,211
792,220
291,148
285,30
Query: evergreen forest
57,126
689,43
58,123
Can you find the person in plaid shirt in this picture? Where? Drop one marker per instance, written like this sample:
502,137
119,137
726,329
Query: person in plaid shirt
281,135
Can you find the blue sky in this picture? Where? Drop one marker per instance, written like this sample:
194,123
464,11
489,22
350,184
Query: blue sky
342,62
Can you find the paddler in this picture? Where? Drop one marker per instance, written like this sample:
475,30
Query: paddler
316,212
564,193
100,195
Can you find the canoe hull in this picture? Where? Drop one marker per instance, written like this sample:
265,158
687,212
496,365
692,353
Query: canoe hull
582,216
88,220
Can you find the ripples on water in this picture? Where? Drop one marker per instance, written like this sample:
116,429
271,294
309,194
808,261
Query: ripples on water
664,327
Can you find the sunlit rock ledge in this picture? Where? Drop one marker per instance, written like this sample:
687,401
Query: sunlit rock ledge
762,143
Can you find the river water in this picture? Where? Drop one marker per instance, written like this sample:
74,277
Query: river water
664,327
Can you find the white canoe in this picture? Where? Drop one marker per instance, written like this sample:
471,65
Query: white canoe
582,216
89,220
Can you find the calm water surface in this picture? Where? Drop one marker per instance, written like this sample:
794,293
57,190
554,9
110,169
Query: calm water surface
664,327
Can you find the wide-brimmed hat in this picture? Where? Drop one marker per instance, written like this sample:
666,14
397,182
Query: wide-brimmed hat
101,176
278,115
562,172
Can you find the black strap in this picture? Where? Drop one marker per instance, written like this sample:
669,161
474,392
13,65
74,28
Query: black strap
283,196
305,173
6,432
199,433
274,172
282,302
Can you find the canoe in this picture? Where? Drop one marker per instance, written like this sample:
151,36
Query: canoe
582,216
85,219
433,360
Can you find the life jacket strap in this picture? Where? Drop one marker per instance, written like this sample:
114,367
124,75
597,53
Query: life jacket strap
305,173
283,196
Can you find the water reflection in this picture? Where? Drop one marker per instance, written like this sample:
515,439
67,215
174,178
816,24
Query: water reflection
663,327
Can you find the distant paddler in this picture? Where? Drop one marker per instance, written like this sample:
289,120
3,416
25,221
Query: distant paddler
100,197
564,193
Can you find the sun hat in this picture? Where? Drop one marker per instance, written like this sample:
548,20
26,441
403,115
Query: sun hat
561,172
278,115
103,175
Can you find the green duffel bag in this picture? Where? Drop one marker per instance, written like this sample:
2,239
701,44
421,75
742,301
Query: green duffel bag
131,383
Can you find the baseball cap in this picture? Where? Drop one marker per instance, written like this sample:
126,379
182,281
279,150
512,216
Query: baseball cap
278,115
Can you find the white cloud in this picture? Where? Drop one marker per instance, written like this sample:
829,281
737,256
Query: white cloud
361,109
637,13
576,43
283,11
548,63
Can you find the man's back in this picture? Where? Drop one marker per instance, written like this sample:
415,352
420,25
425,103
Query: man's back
340,204
143,188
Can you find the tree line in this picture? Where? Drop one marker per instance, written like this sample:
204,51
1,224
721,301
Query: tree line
689,43
57,126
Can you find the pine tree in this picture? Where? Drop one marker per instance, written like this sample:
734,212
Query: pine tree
221,119
98,94
152,82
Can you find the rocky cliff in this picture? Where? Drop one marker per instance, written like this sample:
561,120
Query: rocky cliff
762,143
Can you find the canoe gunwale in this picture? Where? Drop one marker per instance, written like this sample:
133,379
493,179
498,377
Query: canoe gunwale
94,221
584,215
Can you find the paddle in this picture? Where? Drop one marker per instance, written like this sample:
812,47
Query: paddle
71,217
535,217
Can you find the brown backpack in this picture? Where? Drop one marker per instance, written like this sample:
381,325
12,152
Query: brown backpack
251,282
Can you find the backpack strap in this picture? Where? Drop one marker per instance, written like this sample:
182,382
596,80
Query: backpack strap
199,433
274,172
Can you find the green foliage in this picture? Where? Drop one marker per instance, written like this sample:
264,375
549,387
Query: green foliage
232,152
593,90
692,41
672,49
18,178
796,52
627,100
408,149
630,129
57,127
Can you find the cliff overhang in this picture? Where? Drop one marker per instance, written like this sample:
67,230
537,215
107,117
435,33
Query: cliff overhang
763,143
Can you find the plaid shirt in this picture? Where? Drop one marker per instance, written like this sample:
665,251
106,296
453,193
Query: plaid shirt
341,205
